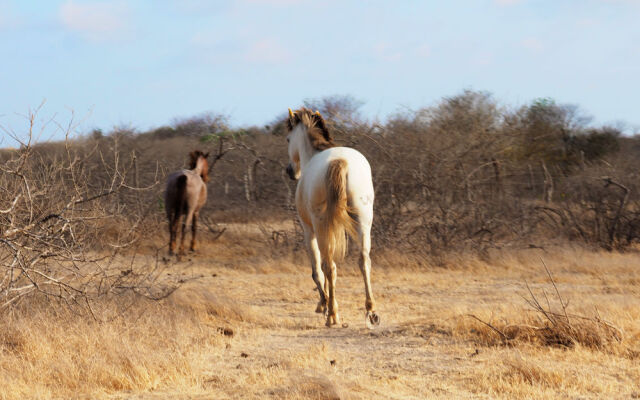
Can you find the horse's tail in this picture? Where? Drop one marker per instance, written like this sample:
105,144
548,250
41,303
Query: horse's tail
337,220
181,196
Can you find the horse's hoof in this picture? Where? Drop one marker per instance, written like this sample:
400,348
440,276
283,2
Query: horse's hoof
372,319
321,308
332,320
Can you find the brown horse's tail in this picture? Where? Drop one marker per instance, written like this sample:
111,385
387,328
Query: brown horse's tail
337,220
181,196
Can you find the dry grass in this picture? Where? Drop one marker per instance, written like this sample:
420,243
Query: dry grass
247,329
49,352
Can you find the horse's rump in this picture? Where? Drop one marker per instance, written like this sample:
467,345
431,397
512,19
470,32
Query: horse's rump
179,202
337,220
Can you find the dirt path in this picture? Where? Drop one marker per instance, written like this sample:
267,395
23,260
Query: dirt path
399,353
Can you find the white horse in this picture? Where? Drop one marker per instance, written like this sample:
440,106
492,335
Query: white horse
334,196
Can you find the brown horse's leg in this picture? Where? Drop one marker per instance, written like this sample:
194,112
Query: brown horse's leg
179,211
186,221
184,231
194,227
174,222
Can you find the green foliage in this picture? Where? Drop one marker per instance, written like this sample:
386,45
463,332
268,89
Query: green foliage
160,201
557,135
598,142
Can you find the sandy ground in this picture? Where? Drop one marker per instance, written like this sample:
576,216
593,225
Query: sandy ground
246,329
424,347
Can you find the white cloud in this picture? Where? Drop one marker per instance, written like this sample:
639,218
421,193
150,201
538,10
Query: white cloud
267,51
94,20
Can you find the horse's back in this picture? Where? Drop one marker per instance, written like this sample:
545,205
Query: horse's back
357,164
186,184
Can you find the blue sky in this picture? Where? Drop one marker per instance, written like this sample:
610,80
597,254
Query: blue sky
144,63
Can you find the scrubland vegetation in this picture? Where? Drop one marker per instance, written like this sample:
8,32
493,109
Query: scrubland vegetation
505,262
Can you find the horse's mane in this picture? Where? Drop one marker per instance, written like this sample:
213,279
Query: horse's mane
195,155
317,131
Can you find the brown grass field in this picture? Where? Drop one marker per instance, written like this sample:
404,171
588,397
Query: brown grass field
246,328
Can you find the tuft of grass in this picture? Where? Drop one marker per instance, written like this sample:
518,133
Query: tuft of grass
308,384
48,351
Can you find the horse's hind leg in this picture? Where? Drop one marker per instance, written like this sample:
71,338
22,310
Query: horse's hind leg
316,267
174,223
331,274
186,221
364,234
194,227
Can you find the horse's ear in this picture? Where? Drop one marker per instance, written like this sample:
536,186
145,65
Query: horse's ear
293,120
206,155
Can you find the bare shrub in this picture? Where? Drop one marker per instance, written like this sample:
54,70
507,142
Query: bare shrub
466,174
549,327
58,213
597,209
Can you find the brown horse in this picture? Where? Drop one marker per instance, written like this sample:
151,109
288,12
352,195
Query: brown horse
185,194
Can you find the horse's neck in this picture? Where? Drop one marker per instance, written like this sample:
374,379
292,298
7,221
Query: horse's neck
199,168
306,153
